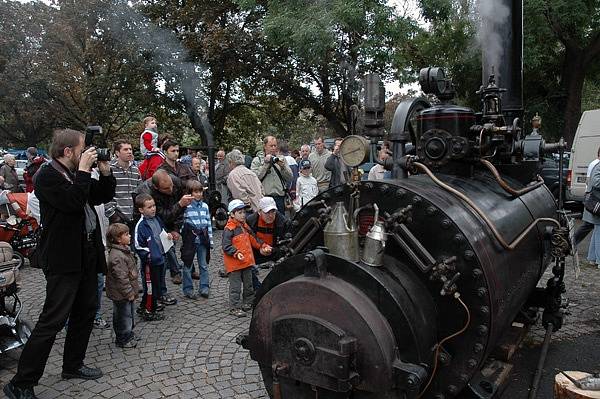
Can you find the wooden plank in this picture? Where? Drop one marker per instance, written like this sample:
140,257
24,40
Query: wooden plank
565,389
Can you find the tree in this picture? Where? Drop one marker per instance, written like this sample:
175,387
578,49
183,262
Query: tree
563,50
320,49
24,120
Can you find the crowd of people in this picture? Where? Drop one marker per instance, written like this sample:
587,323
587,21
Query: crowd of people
123,220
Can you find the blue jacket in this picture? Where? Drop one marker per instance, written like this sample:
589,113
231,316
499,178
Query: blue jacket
146,246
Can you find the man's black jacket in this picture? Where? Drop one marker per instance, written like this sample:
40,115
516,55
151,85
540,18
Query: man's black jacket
62,209
167,205
281,227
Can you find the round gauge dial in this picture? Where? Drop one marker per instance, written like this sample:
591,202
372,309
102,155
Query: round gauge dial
354,150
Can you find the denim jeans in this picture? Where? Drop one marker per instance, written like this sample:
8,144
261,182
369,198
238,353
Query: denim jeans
99,293
123,322
172,262
187,282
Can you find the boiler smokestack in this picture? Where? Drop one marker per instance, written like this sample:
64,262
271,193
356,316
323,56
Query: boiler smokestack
502,49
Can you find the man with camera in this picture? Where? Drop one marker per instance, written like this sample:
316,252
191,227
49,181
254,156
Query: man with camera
71,253
273,172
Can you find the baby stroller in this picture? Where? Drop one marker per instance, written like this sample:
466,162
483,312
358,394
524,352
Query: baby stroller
17,227
14,332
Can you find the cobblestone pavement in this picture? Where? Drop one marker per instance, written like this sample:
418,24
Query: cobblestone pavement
192,353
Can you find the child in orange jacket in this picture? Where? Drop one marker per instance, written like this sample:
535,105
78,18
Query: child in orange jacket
238,241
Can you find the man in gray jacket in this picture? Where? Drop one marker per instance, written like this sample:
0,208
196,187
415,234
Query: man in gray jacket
273,172
317,160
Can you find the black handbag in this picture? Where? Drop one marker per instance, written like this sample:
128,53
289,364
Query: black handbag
591,202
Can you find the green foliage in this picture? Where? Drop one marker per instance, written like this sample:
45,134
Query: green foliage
253,67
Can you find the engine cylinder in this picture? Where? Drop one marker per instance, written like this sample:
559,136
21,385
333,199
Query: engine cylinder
339,326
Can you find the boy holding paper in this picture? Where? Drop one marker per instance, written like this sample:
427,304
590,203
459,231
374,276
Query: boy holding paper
150,241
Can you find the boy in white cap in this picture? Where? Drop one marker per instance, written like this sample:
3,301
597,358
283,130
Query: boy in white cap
237,242
306,185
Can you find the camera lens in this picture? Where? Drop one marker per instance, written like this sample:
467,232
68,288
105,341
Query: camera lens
275,159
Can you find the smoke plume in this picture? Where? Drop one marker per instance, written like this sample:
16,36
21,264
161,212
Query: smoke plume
163,49
493,14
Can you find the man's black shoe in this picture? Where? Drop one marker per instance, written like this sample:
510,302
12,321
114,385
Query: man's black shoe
223,273
13,392
84,372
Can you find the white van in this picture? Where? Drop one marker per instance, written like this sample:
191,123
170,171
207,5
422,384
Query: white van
583,151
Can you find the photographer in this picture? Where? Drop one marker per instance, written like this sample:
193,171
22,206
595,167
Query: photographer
71,253
273,172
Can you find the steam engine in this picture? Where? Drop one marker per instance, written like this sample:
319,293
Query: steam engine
400,288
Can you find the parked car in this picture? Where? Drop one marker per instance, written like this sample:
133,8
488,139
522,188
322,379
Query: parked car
583,151
549,173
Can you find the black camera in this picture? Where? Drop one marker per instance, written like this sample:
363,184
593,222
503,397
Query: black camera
90,133
274,160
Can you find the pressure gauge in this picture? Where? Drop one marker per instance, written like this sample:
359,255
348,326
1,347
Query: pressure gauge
354,150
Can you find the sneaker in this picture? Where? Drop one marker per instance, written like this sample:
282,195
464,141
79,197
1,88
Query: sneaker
223,273
100,323
247,307
196,276
237,312
167,300
204,294
176,279
191,296
160,307
152,316
132,343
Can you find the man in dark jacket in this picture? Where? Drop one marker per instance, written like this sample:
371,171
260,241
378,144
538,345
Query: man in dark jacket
339,171
71,255
170,204
270,226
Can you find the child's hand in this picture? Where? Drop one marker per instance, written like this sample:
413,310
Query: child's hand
174,236
240,256
266,250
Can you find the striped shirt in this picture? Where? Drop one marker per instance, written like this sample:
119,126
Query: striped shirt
127,181
197,215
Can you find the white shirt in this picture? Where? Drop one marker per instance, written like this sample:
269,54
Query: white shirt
306,189
377,172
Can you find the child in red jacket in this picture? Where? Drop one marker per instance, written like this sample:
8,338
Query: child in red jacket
238,241
149,148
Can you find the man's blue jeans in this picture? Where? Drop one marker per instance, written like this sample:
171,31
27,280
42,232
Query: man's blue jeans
187,284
